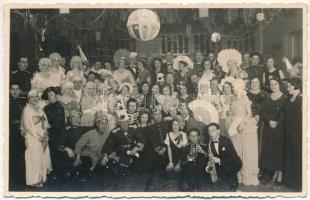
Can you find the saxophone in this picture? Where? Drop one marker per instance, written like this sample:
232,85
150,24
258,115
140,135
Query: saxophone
211,168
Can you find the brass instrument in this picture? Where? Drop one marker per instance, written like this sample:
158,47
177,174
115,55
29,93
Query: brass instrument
211,168
192,156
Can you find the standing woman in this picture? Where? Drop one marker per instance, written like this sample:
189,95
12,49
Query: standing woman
242,129
293,133
156,68
273,132
176,142
123,75
42,79
143,73
56,118
225,101
257,96
208,72
271,72
34,129
76,68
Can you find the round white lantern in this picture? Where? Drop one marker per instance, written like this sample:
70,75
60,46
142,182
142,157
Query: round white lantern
143,24
260,16
215,37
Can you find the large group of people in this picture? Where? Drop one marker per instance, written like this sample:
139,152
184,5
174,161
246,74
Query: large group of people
196,123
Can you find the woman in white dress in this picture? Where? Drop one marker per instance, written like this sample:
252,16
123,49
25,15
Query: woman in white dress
68,99
242,130
76,68
123,75
34,128
57,72
43,79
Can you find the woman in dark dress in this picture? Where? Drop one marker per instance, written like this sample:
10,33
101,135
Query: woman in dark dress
293,131
144,129
176,142
56,118
257,96
145,91
157,67
271,72
273,131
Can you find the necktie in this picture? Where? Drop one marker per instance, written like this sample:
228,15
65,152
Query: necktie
213,149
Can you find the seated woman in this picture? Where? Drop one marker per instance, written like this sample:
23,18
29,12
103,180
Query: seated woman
43,79
68,99
176,142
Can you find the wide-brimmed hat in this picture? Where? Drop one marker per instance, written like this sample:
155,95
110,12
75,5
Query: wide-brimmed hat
130,87
56,90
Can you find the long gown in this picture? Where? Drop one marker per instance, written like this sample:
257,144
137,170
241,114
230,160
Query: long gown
273,139
38,161
243,132
293,146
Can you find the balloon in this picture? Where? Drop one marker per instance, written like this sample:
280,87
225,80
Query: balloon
215,37
260,16
143,24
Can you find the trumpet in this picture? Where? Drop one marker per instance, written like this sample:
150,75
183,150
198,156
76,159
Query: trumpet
211,168
192,156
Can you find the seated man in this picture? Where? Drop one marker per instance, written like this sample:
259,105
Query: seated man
125,145
194,161
156,156
223,160
90,148
67,141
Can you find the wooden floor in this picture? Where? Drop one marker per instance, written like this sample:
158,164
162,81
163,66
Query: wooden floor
131,183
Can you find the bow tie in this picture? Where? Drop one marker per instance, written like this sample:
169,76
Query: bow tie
215,141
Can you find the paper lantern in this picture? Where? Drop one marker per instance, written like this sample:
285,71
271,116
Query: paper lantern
260,16
143,24
215,37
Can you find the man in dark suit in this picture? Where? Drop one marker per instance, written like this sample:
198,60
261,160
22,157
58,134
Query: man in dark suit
155,148
194,161
22,76
224,155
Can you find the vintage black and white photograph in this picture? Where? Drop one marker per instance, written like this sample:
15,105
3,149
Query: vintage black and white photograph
156,99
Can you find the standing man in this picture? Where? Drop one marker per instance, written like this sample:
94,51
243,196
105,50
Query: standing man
22,76
256,69
198,64
16,140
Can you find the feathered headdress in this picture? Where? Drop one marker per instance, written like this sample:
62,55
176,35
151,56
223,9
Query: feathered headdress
229,54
